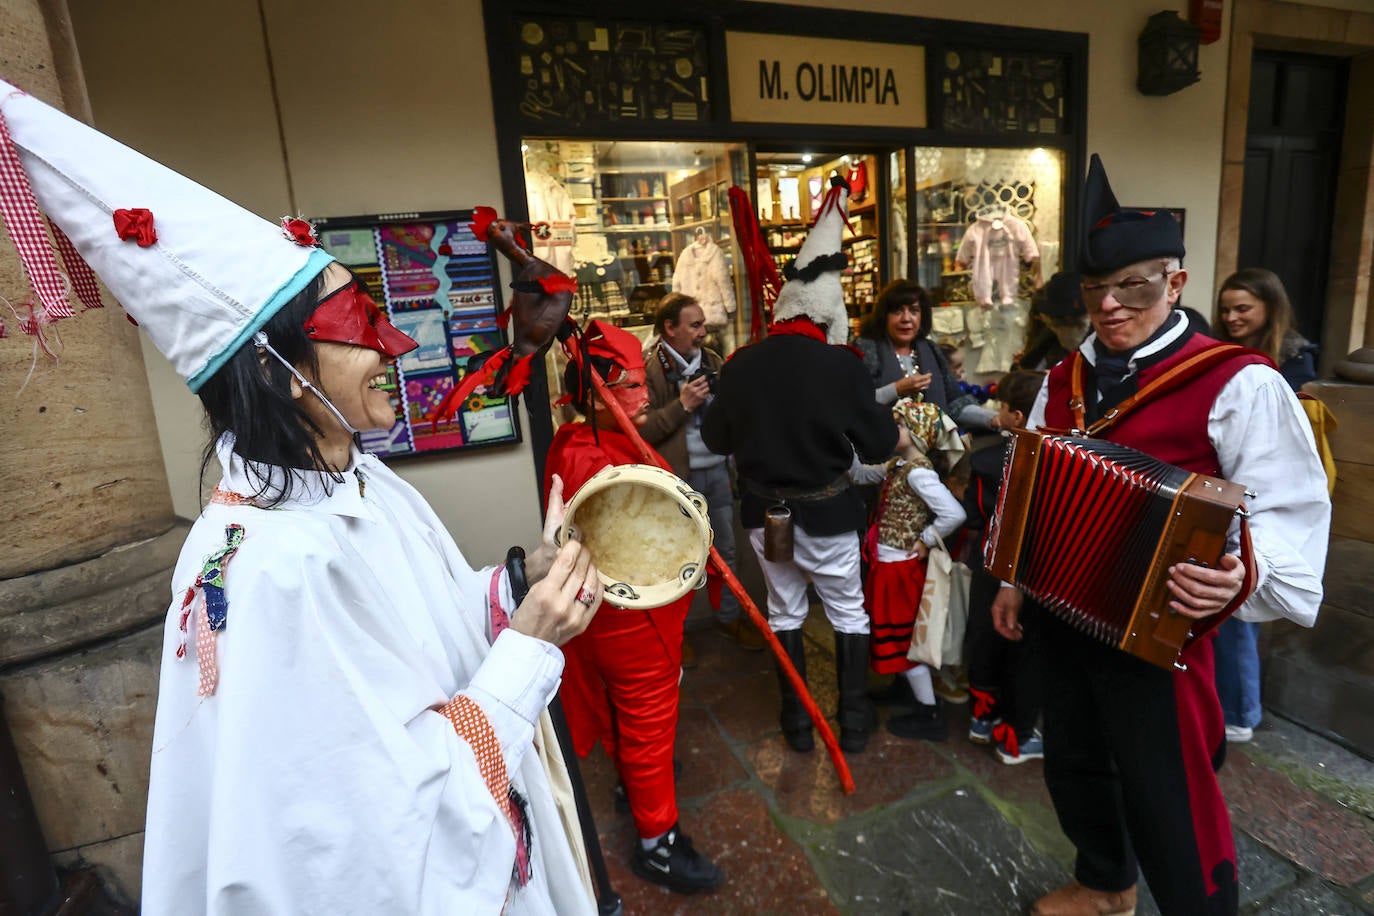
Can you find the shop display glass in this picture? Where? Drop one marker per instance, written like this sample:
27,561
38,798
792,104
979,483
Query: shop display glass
989,230
634,221
788,189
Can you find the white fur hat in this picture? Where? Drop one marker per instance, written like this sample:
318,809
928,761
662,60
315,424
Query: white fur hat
199,273
813,278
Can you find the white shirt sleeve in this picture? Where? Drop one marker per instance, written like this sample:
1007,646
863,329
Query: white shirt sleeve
1037,415
949,514
1264,441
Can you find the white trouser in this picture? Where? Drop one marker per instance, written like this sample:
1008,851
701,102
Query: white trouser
831,563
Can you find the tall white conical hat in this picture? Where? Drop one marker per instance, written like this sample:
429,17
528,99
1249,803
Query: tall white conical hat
813,278
199,273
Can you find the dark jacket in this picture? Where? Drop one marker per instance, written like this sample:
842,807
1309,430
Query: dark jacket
883,369
793,411
666,426
1297,360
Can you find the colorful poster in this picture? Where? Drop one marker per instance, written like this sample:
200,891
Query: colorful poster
437,284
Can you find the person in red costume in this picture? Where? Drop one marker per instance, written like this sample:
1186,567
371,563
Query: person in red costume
620,681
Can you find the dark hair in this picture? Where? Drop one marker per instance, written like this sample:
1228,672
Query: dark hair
670,309
250,396
1265,286
578,386
892,297
1019,389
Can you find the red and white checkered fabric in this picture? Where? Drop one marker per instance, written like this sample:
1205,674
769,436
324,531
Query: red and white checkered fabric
83,278
19,210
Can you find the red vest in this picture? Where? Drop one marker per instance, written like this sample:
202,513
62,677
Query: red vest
1172,426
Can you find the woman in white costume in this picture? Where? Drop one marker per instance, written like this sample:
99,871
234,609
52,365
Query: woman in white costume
350,718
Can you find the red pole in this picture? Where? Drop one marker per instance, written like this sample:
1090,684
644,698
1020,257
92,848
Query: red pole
784,662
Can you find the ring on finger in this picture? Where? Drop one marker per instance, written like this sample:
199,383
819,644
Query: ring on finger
585,596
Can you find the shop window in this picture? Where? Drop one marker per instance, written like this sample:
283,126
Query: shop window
634,221
788,189
989,230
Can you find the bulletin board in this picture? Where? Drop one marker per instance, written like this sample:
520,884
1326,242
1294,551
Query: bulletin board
438,284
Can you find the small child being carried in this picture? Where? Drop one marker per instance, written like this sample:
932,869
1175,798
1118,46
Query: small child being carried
914,506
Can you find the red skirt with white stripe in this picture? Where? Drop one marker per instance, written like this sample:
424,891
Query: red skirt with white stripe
892,592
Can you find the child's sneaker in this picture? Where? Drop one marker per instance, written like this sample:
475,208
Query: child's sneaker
676,865
1033,748
980,729
947,687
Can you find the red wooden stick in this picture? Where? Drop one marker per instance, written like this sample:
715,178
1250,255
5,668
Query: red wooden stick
784,662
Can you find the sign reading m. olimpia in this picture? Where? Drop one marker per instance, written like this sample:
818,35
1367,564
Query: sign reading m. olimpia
793,79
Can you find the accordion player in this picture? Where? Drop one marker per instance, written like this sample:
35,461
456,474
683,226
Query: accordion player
1090,528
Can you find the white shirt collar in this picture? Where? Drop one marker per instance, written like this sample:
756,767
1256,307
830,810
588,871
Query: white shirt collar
314,491
1168,337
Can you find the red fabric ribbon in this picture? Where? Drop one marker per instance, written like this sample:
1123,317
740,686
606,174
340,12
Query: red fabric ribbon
135,224
1005,735
482,218
558,283
983,702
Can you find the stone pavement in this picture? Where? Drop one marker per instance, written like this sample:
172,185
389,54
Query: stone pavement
946,828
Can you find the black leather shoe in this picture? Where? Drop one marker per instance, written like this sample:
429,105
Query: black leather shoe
676,865
927,723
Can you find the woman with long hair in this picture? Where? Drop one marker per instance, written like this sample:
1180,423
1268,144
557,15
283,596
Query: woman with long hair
1253,310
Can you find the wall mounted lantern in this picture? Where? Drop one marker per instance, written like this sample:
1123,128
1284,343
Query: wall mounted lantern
1167,55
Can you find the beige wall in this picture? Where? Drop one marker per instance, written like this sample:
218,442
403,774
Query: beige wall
380,110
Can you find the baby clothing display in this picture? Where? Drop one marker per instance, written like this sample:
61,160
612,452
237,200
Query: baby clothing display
993,248
551,203
703,274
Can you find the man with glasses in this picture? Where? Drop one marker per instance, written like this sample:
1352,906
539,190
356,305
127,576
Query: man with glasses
1131,748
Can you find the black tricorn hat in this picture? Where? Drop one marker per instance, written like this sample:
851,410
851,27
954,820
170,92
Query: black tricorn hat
1113,237
1062,297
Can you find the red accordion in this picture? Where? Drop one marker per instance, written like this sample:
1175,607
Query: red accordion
1089,528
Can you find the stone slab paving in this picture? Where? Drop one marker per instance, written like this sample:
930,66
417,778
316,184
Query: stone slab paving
954,854
944,827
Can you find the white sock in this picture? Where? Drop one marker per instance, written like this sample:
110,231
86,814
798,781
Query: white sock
919,679
652,841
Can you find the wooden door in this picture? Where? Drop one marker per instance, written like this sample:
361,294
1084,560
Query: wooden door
1291,149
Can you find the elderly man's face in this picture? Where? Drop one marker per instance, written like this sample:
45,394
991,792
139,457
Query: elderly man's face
1128,305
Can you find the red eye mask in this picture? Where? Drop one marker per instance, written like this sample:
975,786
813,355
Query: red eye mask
349,316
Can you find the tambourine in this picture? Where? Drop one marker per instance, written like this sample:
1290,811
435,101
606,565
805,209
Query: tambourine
648,532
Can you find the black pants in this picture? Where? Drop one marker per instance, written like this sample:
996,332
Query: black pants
1009,671
1130,757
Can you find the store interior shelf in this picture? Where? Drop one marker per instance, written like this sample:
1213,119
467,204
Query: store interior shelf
858,238
627,199
652,227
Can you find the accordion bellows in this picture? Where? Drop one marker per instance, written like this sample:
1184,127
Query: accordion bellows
1089,528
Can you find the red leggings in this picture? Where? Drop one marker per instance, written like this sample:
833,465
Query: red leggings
621,687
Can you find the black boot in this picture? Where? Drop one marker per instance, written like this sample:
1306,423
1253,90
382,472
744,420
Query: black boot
795,721
927,723
851,673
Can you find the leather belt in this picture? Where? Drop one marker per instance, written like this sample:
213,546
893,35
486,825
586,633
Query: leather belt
797,495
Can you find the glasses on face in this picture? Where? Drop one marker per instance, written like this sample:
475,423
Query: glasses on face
1132,292
911,308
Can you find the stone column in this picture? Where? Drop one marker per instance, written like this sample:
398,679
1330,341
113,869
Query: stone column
88,537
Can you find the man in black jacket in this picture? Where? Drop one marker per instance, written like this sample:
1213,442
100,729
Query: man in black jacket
793,410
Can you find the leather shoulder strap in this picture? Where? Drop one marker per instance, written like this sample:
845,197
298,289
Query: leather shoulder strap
1173,377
